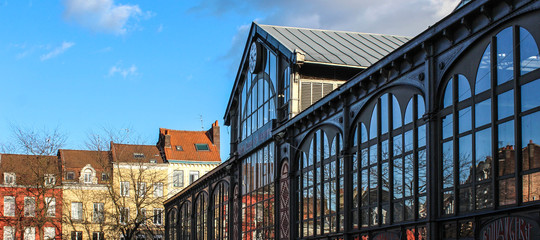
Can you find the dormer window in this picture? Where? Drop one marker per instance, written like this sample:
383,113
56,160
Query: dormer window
70,176
9,178
88,176
179,148
50,179
153,161
138,155
202,147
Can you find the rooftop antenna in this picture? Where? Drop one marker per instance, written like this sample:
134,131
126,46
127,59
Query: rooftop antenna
202,123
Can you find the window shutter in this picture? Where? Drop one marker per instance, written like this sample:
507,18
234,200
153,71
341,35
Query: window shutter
305,95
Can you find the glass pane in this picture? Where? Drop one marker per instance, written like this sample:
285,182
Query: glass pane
398,147
484,196
385,185
483,154
422,207
374,220
398,178
507,191
396,113
465,200
531,187
373,185
398,211
505,56
465,119
505,103
447,126
465,159
506,148
409,209
466,230
483,76
421,107
373,154
373,124
448,95
384,114
464,88
385,150
409,112
530,59
448,164
483,113
448,202
409,176
529,97
365,187
408,141
363,133
422,172
422,136
530,141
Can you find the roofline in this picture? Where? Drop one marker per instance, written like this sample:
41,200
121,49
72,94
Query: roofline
336,65
338,31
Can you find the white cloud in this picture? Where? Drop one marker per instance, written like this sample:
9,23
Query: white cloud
124,72
101,15
57,51
160,28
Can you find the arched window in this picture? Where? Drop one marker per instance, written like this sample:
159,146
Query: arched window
173,223
389,163
479,128
321,189
185,221
221,210
258,97
201,213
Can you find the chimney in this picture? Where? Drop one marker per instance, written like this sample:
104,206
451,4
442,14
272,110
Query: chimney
215,135
167,140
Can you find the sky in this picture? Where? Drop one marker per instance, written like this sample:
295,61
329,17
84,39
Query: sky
82,66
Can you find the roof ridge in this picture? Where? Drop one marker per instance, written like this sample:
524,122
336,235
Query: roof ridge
134,144
202,131
329,30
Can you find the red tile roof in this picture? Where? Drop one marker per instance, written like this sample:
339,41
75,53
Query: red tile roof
29,169
75,160
135,153
187,141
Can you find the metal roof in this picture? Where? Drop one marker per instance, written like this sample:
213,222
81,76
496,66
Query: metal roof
336,47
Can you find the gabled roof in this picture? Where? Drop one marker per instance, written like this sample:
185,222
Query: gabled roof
187,141
336,47
29,169
132,153
77,159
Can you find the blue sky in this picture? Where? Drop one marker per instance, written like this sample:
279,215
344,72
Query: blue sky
86,65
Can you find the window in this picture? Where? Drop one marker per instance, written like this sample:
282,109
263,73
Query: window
98,213
193,176
158,216
76,236
76,211
49,233
50,179
141,216
153,161
185,222
138,155
179,148
202,147
123,215
88,176
173,221
258,96
140,236
258,192
141,189
158,189
9,206
50,206
124,189
9,233
221,210
483,129
158,237
321,185
104,177
9,178
29,233
98,236
29,206
178,178
201,213
70,175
